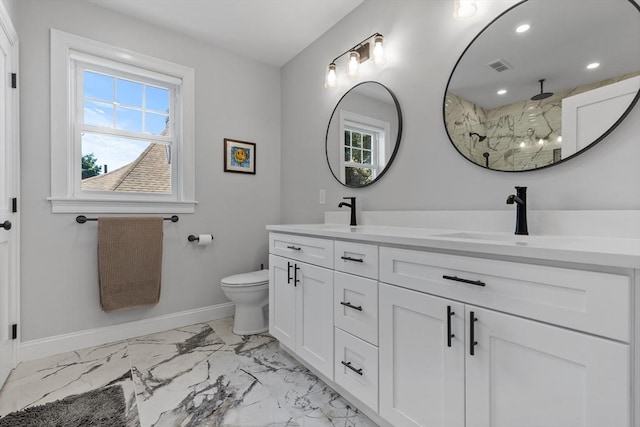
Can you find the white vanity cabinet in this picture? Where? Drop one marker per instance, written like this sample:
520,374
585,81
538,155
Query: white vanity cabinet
500,370
417,335
301,298
356,320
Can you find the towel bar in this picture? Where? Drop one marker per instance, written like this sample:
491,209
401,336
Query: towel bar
81,219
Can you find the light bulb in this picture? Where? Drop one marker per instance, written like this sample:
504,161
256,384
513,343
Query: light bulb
331,79
463,9
378,50
354,63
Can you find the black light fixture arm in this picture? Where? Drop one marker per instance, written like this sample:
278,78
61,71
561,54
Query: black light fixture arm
357,46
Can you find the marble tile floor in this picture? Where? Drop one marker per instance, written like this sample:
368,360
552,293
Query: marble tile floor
200,375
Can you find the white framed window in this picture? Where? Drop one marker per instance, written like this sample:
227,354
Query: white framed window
364,147
122,130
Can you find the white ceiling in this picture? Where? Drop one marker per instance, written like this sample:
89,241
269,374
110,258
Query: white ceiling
271,31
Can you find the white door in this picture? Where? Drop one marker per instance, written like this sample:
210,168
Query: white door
282,301
526,373
8,190
421,357
314,316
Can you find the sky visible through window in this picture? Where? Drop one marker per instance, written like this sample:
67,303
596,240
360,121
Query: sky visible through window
123,105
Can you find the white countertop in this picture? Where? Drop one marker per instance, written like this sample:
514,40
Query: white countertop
602,251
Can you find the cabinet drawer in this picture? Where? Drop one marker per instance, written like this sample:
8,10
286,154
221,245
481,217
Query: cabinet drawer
589,301
356,258
356,305
301,248
356,367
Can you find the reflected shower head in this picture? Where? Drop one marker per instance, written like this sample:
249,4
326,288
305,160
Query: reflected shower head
542,94
480,137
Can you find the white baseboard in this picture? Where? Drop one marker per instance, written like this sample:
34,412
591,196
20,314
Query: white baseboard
35,349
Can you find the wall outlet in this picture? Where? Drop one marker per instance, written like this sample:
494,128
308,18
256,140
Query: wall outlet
323,197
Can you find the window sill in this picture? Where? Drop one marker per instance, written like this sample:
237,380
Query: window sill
80,206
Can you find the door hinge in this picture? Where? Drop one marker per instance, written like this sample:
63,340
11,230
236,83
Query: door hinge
14,331
14,80
14,205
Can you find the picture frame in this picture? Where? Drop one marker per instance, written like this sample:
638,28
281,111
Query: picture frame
239,156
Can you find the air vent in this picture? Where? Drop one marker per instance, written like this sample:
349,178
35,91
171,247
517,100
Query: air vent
500,65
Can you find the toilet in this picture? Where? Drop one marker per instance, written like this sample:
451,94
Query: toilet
250,293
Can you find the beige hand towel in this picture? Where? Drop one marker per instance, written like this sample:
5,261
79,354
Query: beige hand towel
129,261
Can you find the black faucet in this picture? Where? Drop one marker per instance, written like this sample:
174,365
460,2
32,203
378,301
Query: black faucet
352,205
520,198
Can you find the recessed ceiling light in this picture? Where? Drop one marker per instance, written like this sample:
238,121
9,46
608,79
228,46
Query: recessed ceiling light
502,91
522,28
593,65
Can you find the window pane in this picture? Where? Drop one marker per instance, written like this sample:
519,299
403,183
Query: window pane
128,119
357,176
157,124
366,157
98,114
347,154
129,93
347,137
366,141
356,155
97,86
356,139
131,165
157,99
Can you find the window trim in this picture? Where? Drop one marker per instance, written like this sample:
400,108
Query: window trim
65,49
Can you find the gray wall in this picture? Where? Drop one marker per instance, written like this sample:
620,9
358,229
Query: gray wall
10,5
235,97
423,42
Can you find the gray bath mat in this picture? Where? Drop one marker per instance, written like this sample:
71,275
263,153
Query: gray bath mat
103,407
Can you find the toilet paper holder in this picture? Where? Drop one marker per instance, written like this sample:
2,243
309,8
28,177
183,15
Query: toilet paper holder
193,238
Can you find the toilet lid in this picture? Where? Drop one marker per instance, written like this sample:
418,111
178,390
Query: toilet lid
253,278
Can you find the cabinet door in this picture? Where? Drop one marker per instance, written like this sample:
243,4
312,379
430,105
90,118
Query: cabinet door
314,316
282,300
421,376
525,373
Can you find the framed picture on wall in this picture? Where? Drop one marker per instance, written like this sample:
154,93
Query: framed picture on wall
239,156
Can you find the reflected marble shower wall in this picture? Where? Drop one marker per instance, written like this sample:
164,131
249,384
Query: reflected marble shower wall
521,136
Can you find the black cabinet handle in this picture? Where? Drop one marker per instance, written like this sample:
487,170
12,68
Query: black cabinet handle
458,279
348,304
295,248
289,265
449,334
348,365
295,275
472,334
348,258
6,225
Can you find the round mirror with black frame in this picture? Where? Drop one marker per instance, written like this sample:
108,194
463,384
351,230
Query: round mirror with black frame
543,82
363,134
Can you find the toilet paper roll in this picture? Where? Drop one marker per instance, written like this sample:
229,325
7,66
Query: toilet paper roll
205,239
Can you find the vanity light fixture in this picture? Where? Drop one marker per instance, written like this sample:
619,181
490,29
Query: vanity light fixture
464,9
357,55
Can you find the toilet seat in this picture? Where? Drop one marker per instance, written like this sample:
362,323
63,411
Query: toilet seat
254,278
